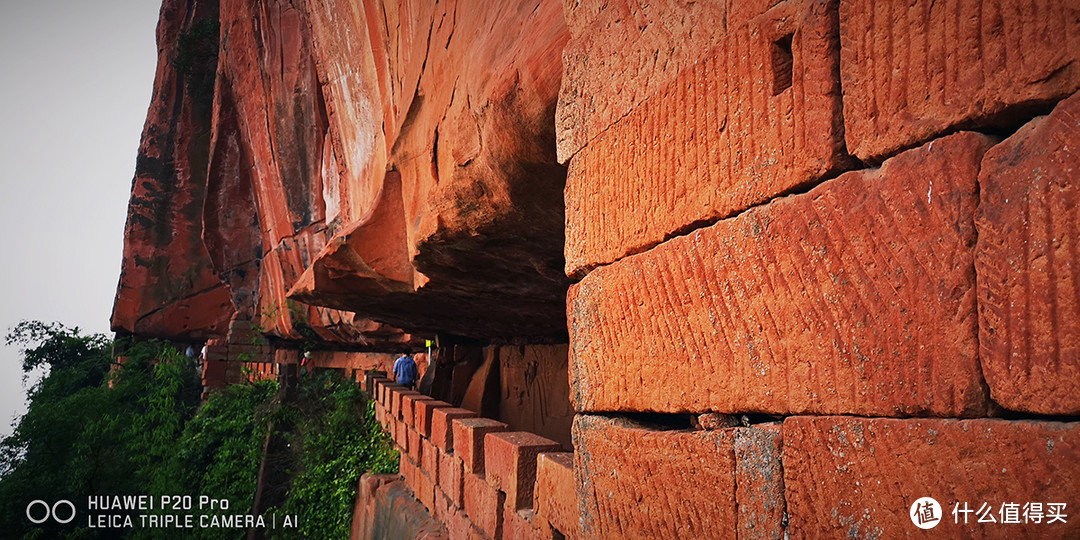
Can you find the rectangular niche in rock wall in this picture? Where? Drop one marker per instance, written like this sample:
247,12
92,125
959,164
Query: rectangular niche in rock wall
535,393
756,114
855,298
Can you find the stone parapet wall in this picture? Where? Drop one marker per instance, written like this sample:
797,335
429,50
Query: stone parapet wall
804,476
472,474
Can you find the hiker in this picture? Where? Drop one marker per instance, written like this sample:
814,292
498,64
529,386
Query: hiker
405,371
305,362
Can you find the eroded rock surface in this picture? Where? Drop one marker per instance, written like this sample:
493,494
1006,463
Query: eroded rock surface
343,162
1027,263
821,302
168,285
912,70
460,226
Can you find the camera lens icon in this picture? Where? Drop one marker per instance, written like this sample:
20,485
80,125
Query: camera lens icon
39,511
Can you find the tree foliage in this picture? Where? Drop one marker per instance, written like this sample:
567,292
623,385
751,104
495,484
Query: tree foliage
96,427
85,431
334,441
196,60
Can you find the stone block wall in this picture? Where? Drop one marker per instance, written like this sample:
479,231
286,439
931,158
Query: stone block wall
822,255
841,237
474,475
525,386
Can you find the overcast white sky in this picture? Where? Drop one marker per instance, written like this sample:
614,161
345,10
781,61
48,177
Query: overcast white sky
75,84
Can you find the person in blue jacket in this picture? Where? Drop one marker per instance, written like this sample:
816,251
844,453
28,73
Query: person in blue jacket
405,370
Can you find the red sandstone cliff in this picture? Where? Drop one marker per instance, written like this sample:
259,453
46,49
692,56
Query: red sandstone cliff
823,252
368,161
168,284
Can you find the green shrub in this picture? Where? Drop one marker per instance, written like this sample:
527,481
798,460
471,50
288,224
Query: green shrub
335,439
196,61
85,431
141,430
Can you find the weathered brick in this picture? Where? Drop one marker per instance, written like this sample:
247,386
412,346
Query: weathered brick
728,133
475,533
395,402
1028,263
451,473
371,383
414,447
388,395
913,70
620,53
460,528
380,414
522,524
216,351
214,370
399,404
407,470
457,526
635,482
429,458
368,381
442,433
555,499
469,440
401,435
857,297
426,490
385,391
408,408
391,429
510,464
858,477
444,509
484,504
759,482
423,414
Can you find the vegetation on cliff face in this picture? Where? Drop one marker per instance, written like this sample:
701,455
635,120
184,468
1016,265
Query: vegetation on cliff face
330,446
139,429
196,61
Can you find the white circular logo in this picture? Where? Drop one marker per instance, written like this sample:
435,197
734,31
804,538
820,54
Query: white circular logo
49,511
925,513
56,515
34,503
